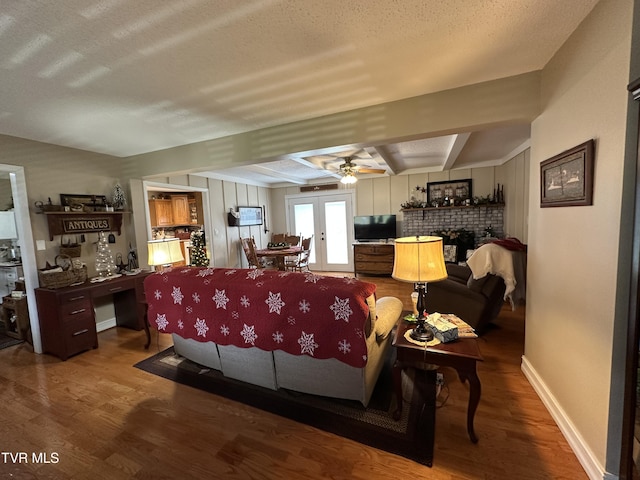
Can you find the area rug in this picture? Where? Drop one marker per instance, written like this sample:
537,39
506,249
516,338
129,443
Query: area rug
410,437
7,341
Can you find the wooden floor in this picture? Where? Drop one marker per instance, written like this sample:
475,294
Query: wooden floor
96,417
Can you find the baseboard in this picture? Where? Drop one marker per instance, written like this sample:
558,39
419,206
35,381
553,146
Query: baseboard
105,324
585,456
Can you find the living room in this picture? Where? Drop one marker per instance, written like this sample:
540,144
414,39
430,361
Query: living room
576,321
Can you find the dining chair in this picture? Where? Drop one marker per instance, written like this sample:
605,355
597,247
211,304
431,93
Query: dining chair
249,247
301,261
292,240
278,237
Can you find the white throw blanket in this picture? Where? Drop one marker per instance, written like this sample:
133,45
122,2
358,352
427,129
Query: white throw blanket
497,260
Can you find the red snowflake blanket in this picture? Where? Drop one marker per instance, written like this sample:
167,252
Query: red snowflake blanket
299,313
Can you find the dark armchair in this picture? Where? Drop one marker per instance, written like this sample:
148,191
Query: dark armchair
477,302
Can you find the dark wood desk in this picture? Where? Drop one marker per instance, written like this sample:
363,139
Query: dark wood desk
462,355
67,320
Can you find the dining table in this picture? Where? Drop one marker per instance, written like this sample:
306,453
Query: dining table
279,254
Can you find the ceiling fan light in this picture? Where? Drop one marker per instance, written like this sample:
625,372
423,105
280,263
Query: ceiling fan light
348,179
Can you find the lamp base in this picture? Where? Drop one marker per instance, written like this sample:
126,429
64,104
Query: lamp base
421,333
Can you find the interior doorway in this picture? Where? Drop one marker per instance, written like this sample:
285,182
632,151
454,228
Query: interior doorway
329,218
189,211
18,184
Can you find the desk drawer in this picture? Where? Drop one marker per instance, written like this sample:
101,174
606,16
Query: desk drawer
79,334
73,297
80,308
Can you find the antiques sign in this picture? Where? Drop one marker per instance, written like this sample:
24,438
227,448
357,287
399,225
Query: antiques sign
84,225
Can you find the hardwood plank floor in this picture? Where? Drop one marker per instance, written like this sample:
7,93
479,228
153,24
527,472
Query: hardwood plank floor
104,419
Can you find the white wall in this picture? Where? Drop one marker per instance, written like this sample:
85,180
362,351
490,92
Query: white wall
573,251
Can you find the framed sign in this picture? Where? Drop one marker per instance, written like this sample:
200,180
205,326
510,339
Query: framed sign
450,192
567,178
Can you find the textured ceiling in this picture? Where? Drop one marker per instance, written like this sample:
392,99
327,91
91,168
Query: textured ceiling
125,77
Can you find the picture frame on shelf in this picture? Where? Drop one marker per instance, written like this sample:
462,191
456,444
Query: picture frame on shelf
566,179
95,203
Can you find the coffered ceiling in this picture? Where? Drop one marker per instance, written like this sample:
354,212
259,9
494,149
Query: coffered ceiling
125,77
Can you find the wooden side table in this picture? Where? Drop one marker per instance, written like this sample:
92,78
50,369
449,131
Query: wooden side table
462,355
15,315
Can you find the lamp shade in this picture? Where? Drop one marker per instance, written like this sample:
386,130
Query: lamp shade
164,252
419,260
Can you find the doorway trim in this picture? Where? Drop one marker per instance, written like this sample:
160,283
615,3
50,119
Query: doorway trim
328,193
25,241
169,187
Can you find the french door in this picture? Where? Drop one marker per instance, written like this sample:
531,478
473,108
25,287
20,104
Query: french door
329,218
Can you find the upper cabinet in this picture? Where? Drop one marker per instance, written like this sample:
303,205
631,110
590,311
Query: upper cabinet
161,213
180,209
176,210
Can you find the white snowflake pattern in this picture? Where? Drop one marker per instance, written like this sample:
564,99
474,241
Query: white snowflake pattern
235,315
344,346
221,299
157,294
224,330
311,278
244,301
230,272
350,280
161,321
201,327
305,306
249,334
359,333
283,274
291,320
341,309
196,297
189,309
254,273
278,337
180,324
275,302
206,272
307,343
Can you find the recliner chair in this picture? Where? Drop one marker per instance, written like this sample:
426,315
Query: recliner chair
477,302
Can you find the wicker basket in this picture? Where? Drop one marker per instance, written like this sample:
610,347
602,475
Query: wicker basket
62,279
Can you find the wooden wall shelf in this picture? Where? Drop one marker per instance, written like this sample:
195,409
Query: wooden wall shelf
69,223
486,205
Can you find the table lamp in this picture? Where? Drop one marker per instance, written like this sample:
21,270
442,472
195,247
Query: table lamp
164,252
419,260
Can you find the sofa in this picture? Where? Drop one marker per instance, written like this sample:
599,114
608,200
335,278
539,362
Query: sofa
298,331
476,301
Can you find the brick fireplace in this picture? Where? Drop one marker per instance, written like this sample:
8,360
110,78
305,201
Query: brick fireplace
424,221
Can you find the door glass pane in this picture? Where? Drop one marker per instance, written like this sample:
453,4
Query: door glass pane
336,232
304,224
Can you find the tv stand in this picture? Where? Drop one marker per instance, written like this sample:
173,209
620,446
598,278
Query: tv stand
373,258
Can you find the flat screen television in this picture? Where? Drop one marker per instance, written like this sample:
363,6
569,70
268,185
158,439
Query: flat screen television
369,228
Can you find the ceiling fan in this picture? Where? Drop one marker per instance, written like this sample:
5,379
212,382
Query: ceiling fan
348,170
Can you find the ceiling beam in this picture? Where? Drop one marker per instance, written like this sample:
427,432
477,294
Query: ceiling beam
457,145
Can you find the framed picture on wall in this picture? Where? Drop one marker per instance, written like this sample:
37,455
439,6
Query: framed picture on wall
450,192
248,216
567,178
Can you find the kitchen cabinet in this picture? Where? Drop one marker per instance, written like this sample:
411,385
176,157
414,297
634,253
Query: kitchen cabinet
180,209
161,212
